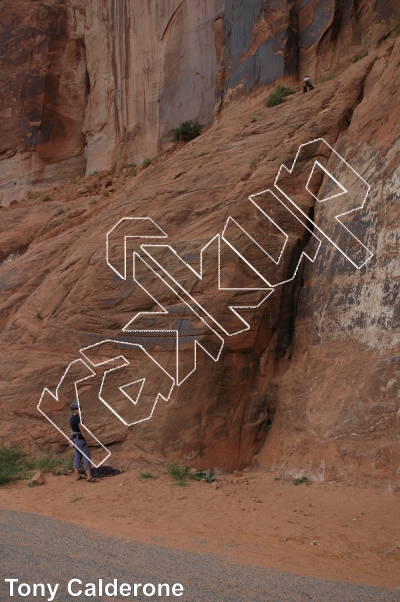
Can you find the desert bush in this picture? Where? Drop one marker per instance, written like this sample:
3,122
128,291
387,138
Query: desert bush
181,474
15,466
12,466
146,162
146,475
278,95
48,462
302,480
327,78
207,475
295,481
188,130
359,56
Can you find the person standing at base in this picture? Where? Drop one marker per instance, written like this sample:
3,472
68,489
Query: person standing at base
307,84
81,446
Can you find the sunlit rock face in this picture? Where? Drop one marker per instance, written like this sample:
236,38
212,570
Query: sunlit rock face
312,385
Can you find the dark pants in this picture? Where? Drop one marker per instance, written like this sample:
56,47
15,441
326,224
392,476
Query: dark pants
81,450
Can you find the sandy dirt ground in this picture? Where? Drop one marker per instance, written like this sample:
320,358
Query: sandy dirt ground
323,530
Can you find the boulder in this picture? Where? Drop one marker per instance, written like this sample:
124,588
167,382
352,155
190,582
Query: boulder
38,478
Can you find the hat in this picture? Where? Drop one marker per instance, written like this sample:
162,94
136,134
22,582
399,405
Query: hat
74,405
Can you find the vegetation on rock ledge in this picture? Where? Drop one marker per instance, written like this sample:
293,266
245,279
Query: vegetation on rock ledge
278,95
188,130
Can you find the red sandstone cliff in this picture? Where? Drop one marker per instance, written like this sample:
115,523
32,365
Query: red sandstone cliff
90,85
321,358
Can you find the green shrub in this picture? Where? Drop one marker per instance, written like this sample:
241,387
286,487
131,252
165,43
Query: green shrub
14,466
46,197
253,119
301,480
278,95
133,172
208,475
181,474
267,426
359,56
147,475
288,479
188,130
105,193
11,465
327,78
146,162
75,498
92,202
48,462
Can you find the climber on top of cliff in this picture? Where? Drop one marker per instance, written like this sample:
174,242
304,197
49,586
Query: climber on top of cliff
307,84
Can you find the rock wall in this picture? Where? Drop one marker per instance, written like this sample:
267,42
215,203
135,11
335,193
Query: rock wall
316,377
320,360
152,65
90,86
93,85
334,32
274,39
261,45
338,402
44,90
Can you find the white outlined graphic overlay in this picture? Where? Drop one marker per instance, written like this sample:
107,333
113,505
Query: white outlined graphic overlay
344,188
136,367
56,406
261,246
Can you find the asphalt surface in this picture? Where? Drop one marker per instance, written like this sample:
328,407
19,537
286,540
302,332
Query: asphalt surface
35,549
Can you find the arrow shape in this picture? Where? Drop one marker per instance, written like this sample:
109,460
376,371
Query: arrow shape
126,228
331,209
55,406
177,329
271,238
136,366
205,289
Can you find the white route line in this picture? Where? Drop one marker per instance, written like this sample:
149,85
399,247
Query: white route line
303,253
333,196
230,218
199,275
162,235
165,312
282,167
139,380
55,396
127,363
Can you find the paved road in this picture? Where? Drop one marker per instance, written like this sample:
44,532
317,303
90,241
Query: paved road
35,549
